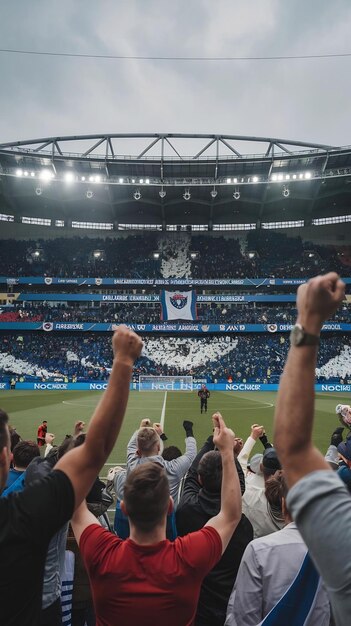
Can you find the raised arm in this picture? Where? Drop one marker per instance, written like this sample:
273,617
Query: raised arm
317,300
243,456
83,464
230,514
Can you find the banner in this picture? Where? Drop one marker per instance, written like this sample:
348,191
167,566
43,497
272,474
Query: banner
189,282
164,327
231,387
178,305
140,297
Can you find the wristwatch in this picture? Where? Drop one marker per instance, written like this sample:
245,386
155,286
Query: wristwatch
299,337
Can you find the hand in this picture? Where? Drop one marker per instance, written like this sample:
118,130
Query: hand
145,423
256,431
336,437
238,445
49,438
78,428
156,426
318,299
126,345
188,427
223,437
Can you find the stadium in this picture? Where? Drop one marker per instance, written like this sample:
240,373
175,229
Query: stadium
92,238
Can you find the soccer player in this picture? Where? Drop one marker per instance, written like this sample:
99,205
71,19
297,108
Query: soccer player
203,394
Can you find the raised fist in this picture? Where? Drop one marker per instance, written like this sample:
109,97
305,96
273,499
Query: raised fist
126,345
318,299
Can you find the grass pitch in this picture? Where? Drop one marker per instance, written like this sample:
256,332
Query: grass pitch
63,408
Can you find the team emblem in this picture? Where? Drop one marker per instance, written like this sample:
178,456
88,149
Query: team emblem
179,301
98,281
272,328
47,280
47,326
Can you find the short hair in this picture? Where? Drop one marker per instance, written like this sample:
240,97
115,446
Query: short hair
210,471
146,495
24,452
171,452
4,431
45,421
147,439
276,489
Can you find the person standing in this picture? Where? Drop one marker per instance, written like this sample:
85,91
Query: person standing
41,434
203,394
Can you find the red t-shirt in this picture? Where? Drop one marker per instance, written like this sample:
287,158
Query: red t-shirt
147,585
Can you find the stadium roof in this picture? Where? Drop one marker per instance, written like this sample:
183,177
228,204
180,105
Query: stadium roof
174,179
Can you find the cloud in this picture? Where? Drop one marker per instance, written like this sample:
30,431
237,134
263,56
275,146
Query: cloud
305,100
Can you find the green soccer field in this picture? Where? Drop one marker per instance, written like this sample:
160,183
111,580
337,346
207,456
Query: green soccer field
63,408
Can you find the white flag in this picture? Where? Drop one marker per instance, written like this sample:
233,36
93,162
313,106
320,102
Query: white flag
178,305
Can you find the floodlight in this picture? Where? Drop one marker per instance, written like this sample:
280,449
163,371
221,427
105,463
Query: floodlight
25,173
147,181
156,255
235,180
69,177
255,179
294,176
274,177
121,181
280,176
89,194
236,194
137,195
46,175
229,180
97,254
141,181
162,193
38,191
19,173
32,174
91,179
98,178
213,192
300,175
287,176
308,175
133,180
187,194
82,179
286,192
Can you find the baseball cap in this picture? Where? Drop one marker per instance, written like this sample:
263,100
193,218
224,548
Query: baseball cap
270,460
255,464
345,449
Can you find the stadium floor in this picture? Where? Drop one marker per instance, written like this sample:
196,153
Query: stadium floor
62,408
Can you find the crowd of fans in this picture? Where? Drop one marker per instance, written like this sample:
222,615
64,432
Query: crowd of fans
215,537
240,358
259,254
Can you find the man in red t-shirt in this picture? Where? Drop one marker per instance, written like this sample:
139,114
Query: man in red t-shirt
147,579
42,430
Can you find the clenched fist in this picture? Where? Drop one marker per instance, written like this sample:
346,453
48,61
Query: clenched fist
126,345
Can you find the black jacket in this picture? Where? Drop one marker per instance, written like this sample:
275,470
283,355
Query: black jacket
195,508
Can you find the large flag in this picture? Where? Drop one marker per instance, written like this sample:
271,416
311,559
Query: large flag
178,305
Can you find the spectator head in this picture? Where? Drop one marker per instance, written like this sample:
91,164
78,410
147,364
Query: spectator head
148,442
23,453
44,421
254,464
276,491
270,463
210,471
5,450
344,450
344,413
146,497
171,452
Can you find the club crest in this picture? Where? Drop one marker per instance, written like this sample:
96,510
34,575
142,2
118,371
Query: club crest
179,301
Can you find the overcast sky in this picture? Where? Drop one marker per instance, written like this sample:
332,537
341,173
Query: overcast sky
306,100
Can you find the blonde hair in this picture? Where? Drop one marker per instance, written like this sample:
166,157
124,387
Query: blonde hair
147,439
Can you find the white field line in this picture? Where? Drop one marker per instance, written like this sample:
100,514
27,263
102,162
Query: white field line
163,412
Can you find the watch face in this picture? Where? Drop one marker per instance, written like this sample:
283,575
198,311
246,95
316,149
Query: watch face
297,335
